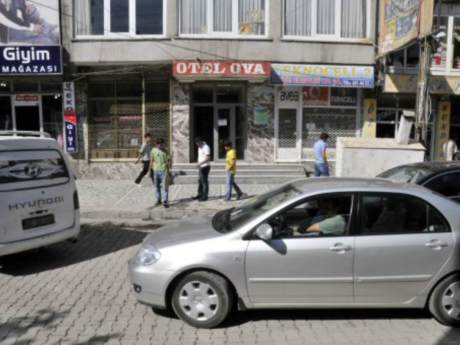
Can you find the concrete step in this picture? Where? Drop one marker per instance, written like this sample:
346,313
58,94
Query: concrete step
240,179
247,172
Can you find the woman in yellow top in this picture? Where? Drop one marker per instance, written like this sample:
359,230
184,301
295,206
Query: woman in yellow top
230,168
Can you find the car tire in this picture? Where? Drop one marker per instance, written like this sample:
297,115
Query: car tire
202,299
444,302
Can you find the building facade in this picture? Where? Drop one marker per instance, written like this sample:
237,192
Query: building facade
267,75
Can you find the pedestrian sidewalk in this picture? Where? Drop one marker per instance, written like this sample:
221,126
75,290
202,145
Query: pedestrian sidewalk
122,200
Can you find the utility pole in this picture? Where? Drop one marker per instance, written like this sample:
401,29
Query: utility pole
421,111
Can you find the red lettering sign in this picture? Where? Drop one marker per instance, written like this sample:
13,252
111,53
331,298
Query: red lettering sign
252,69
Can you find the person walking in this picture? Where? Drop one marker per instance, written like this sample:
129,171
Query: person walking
204,167
144,153
321,163
161,164
230,168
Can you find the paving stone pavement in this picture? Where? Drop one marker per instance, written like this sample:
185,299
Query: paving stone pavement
79,294
122,199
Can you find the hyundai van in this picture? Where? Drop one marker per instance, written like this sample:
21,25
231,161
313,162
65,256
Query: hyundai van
38,196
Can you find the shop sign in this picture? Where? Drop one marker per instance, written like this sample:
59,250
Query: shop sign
289,96
26,100
344,97
225,69
402,21
70,118
370,118
262,115
323,75
30,60
30,38
316,96
442,127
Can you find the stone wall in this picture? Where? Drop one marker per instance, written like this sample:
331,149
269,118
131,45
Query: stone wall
180,122
260,137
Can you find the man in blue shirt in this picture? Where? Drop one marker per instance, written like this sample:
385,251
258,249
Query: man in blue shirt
320,147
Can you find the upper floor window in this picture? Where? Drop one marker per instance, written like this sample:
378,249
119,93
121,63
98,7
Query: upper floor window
327,19
119,18
223,17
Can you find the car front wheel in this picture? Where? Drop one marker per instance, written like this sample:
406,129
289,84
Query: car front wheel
444,303
202,299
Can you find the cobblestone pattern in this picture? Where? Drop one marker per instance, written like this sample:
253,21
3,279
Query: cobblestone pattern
79,294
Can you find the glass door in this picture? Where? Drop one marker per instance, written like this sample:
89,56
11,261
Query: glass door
287,135
28,118
224,129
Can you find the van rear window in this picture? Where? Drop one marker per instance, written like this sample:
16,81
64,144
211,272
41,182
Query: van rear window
34,165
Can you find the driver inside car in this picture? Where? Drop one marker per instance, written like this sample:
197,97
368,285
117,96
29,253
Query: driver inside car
327,221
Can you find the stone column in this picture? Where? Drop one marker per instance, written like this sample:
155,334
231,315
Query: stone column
180,122
261,134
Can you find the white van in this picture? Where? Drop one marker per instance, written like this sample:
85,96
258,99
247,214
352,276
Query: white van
38,196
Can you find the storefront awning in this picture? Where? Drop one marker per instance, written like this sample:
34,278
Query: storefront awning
437,85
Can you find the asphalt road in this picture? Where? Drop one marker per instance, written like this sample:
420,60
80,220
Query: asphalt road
80,294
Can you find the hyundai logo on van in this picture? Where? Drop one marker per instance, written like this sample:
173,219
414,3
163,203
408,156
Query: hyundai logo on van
33,170
20,60
38,203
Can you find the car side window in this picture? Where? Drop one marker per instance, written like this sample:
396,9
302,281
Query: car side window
322,216
447,184
386,214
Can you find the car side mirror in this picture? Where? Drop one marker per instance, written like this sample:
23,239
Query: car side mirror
264,232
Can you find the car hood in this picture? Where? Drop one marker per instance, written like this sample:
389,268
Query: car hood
191,230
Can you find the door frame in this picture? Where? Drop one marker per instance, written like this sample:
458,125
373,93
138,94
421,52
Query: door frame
232,124
296,105
40,110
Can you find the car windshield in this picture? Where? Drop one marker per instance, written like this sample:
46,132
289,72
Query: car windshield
407,174
231,219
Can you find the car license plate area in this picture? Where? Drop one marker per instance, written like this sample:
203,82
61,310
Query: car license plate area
36,222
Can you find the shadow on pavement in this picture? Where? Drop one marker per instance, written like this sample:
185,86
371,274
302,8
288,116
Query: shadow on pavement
452,337
95,240
18,326
242,317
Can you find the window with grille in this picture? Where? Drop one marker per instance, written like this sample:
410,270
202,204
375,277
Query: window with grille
115,116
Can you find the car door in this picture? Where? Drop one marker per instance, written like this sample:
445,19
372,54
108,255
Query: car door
300,267
401,243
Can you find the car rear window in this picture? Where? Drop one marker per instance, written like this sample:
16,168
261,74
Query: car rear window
33,168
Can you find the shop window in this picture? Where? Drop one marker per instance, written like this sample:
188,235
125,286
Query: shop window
223,17
51,87
116,116
203,94
333,19
6,120
119,18
405,58
439,58
229,94
456,43
337,122
25,86
52,116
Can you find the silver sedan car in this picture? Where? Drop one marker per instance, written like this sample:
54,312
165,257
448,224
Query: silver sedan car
318,243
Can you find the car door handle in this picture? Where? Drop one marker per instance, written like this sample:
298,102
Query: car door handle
436,244
340,248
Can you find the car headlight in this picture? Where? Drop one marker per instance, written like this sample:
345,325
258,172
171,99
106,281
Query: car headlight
147,255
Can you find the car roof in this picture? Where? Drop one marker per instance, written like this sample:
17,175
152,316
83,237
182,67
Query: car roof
26,143
359,184
435,166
